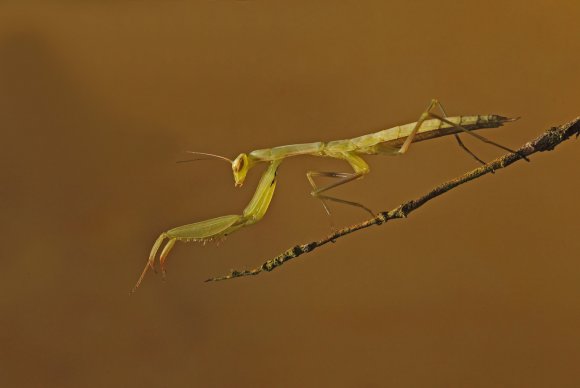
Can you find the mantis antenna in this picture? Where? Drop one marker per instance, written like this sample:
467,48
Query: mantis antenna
206,154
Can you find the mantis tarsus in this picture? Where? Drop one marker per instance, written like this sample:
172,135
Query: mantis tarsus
393,141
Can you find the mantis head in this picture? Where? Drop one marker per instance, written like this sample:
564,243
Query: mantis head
240,167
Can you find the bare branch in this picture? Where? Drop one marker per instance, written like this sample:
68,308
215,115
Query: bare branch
545,142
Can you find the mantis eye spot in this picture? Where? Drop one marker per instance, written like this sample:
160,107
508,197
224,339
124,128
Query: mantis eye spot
239,163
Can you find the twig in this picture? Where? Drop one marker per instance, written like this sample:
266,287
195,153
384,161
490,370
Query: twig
545,142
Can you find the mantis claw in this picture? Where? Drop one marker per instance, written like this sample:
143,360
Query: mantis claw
199,231
166,249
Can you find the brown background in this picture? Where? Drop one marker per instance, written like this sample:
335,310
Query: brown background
98,100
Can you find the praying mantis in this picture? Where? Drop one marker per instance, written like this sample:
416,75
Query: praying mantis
393,141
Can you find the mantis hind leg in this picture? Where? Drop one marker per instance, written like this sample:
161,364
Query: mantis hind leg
424,116
459,141
429,114
464,147
478,136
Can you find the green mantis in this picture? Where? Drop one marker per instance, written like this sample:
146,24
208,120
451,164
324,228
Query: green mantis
393,141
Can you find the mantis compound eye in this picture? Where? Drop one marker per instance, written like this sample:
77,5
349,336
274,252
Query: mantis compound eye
240,167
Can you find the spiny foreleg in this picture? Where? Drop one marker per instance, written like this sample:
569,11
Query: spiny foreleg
215,228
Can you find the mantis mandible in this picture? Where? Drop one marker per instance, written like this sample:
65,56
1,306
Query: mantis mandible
393,141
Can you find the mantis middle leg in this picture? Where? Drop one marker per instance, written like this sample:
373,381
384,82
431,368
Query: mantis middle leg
344,177
460,142
359,165
360,168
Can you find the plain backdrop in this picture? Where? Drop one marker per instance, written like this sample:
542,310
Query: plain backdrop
99,99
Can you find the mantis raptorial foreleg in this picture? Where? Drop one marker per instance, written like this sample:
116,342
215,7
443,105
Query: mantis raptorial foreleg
216,228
